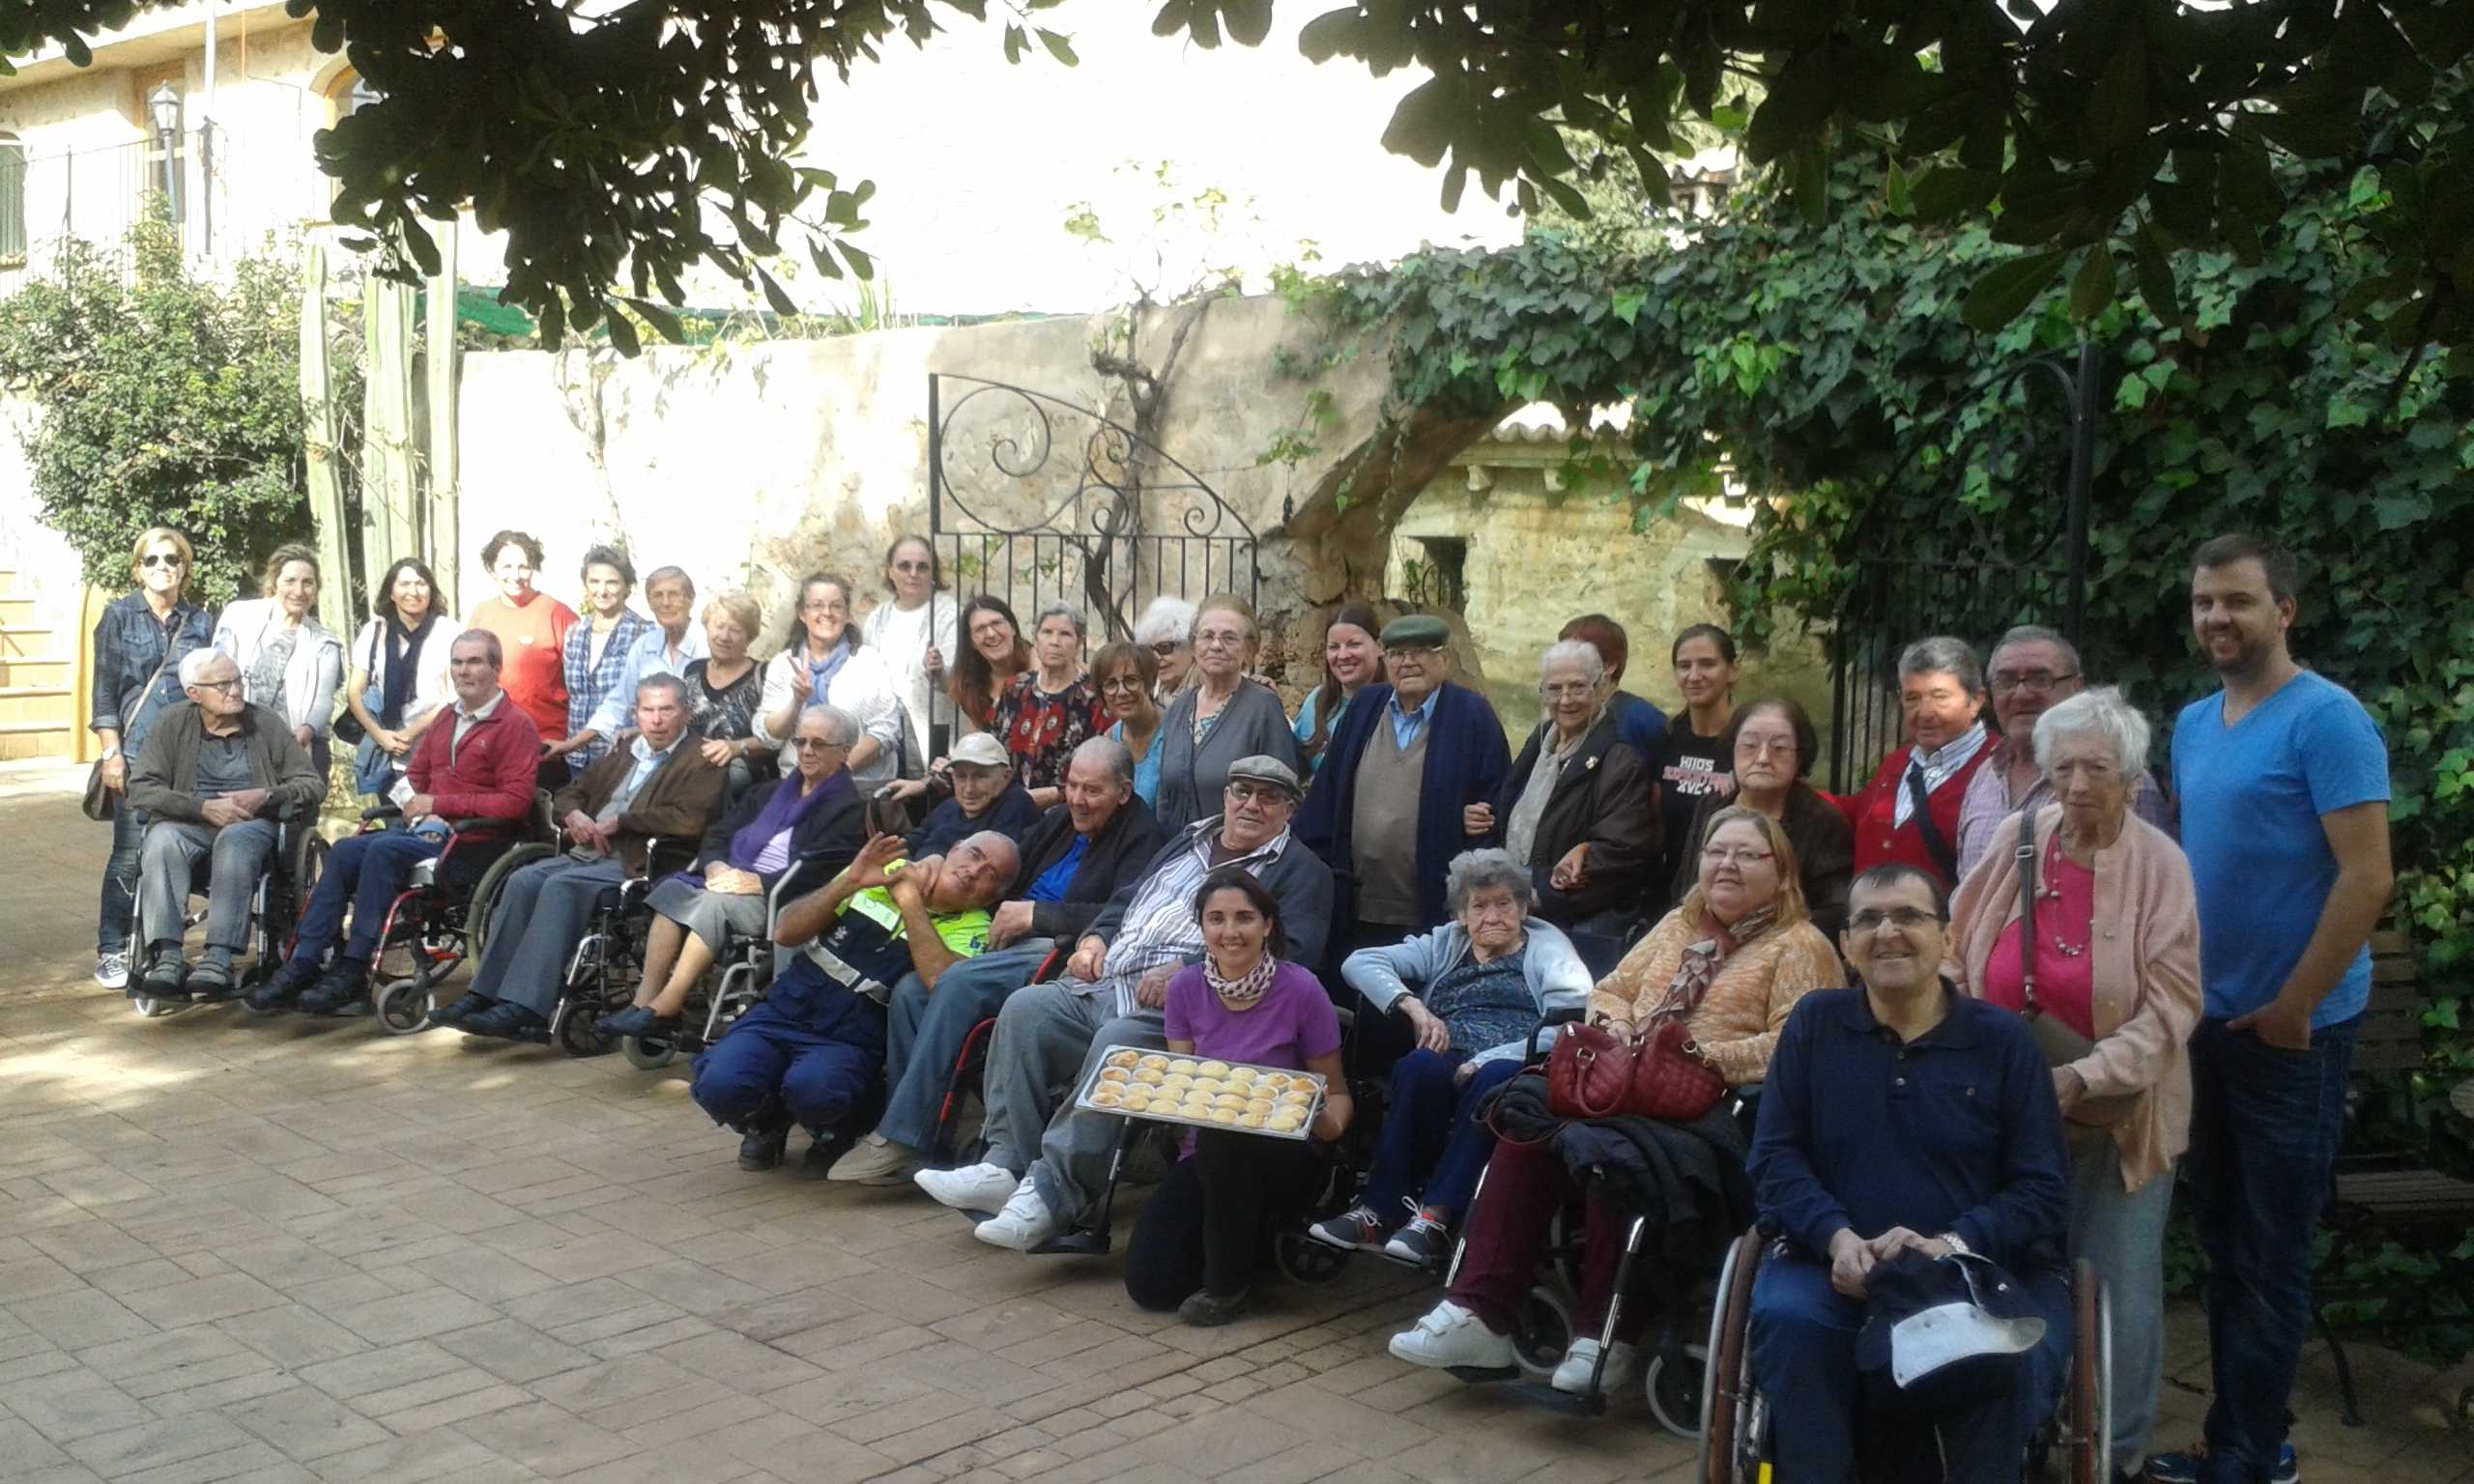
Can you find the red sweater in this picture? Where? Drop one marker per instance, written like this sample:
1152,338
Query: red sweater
1872,810
491,777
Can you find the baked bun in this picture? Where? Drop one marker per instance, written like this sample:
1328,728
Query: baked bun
1115,1074
1126,1059
1250,1120
1260,1105
1212,1069
1225,1115
1286,1121
1184,1064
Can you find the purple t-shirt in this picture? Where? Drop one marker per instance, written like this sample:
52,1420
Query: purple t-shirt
1292,1023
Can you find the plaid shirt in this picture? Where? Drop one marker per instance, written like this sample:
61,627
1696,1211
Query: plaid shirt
1160,927
129,643
587,683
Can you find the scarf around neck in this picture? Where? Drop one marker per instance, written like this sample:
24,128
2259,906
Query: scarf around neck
1703,960
398,674
1247,987
820,672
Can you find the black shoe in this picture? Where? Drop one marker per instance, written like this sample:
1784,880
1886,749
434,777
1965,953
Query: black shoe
284,988
165,975
460,1009
344,983
210,978
820,1156
761,1148
638,1020
507,1019
1205,1309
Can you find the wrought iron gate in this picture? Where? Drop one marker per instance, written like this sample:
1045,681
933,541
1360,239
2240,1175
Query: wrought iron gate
1038,501
1973,573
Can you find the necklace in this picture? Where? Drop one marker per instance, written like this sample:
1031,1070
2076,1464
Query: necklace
2052,892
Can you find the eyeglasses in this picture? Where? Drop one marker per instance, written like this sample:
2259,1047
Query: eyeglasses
231,687
818,745
825,608
2040,681
1131,684
1407,651
1225,638
1243,793
1165,647
1569,690
911,566
159,560
1721,855
1759,746
1871,920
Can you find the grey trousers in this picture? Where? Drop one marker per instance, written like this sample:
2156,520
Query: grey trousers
2122,1234
1073,1169
1043,1031
238,856
540,917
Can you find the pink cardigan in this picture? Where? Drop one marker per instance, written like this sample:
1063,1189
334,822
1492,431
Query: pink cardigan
2146,965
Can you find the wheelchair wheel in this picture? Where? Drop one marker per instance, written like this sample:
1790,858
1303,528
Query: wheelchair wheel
1730,1421
2088,1410
304,861
577,1034
1541,1331
151,1008
648,1052
1675,1392
1304,1261
404,1004
485,892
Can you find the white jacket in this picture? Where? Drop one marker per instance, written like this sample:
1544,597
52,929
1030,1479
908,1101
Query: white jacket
433,686
312,677
863,687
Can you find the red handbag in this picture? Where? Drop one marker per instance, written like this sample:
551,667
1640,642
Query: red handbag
1592,1073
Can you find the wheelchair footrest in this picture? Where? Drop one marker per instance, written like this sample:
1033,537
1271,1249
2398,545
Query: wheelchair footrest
1073,1243
1483,1375
1589,1404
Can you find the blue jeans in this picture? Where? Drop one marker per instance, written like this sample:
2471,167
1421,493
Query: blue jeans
1803,1360
2122,1232
369,871
2265,1124
120,881
1432,1148
926,1029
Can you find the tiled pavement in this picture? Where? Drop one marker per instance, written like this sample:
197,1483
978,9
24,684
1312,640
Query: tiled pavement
276,1250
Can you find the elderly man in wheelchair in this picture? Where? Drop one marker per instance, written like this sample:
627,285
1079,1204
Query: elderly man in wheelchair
474,772
656,786
217,778
1913,1319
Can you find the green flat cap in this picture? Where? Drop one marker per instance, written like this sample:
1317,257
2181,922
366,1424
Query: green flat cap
1417,631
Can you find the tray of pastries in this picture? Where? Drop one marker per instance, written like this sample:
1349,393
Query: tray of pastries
1204,1093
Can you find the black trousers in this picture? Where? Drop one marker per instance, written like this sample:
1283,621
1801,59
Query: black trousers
1205,1226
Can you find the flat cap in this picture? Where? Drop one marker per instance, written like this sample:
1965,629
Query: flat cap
980,750
1263,768
1417,631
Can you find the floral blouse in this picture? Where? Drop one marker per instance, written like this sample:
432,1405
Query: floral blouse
727,714
1042,731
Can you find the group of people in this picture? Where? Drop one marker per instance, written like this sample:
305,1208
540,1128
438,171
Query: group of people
1988,1003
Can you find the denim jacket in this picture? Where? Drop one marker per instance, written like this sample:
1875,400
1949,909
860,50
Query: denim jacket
129,643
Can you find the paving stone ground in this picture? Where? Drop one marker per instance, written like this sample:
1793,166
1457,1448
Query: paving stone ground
275,1250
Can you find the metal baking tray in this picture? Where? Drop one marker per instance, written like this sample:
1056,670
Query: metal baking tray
1242,1080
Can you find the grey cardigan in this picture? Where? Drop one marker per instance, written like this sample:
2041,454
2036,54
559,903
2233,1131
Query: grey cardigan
1553,967
1193,778
164,781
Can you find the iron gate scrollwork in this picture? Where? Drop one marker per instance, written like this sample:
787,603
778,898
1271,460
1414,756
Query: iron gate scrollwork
1975,572
1038,501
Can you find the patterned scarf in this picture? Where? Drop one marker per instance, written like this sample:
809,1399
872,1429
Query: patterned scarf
1703,960
1247,987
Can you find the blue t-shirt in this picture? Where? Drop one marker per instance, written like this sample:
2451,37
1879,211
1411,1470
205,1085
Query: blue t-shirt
1052,882
2252,796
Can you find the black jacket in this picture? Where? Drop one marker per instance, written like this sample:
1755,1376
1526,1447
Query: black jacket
1012,815
1601,799
1688,1179
1129,842
833,831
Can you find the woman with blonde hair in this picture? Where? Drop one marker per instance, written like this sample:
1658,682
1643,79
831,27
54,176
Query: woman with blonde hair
139,640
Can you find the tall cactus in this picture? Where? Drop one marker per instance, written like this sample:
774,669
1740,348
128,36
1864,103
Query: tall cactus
445,528
319,451
390,496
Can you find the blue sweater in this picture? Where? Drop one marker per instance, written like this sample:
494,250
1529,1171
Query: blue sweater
1466,761
1956,1131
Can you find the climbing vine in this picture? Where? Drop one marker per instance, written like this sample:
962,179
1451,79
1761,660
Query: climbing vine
1830,365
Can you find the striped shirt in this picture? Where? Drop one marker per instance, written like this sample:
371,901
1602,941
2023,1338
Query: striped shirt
1160,926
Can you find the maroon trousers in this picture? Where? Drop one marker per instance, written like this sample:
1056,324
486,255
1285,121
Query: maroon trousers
1525,1185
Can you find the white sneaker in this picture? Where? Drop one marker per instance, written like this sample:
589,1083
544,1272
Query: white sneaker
1622,1368
875,1160
1450,1336
972,1188
1024,1224
111,970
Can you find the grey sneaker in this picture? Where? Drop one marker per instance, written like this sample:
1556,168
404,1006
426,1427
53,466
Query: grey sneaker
111,970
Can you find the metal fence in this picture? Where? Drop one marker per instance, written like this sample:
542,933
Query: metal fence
99,194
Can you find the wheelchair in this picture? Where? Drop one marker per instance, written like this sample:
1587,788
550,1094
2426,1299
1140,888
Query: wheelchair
604,966
298,858
1735,1418
966,1083
740,975
431,927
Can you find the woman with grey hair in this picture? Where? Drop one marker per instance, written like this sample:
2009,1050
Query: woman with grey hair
1049,709
1909,812
1473,991
1576,809
2112,1003
813,811
1167,628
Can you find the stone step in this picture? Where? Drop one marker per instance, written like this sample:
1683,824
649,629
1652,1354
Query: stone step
27,641
18,610
21,741
41,670
42,705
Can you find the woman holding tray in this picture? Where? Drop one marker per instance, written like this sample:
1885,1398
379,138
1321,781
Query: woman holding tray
1200,1239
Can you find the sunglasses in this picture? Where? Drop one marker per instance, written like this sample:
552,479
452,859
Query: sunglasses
1165,647
817,745
159,559
911,566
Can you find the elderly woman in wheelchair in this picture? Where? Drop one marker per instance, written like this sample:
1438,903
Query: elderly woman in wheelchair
1728,964
816,811
1474,991
1909,1155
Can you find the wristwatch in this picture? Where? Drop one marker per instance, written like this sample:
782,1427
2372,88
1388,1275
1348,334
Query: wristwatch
109,752
1957,1245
